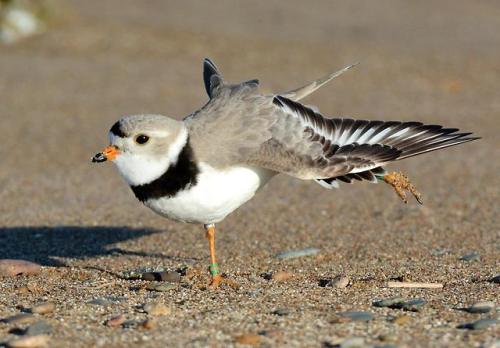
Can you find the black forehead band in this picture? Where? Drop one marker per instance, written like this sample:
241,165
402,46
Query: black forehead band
117,130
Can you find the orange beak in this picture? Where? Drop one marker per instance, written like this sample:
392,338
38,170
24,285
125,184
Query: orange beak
109,153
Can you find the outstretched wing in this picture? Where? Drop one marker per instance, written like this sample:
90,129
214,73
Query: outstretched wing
240,126
307,145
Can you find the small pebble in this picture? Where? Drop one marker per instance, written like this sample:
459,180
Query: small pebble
161,287
292,254
481,307
388,302
249,339
495,279
11,268
479,324
440,251
116,321
19,318
116,299
157,309
402,320
43,308
39,328
339,282
253,293
149,324
29,342
173,277
353,342
282,276
357,315
138,273
412,305
281,312
100,302
388,337
470,257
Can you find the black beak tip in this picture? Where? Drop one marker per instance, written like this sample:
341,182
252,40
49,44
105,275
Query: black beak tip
98,158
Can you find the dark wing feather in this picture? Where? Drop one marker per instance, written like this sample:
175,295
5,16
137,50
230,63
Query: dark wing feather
357,146
371,175
211,77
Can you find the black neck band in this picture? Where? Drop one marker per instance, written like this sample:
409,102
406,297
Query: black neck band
179,176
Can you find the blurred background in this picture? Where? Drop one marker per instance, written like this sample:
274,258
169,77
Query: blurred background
90,62
70,69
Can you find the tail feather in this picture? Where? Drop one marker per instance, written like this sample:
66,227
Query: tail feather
425,146
305,90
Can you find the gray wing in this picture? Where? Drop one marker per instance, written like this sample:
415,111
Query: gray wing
304,144
232,126
240,126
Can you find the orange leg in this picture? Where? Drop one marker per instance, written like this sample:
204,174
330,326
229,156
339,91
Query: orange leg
217,278
400,182
214,267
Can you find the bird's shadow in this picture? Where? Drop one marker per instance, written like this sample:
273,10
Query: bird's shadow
45,245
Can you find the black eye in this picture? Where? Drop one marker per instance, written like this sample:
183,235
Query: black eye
141,139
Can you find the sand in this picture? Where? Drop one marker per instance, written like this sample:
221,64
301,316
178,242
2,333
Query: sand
61,91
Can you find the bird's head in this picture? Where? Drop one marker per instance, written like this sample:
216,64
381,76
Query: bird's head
144,146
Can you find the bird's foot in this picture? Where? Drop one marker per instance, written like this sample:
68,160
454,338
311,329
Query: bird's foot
218,280
400,182
215,282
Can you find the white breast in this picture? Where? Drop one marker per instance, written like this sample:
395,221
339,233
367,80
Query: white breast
216,194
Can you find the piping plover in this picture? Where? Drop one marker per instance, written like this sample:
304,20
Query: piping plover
204,167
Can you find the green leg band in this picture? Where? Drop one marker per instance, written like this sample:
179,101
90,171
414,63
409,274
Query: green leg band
214,269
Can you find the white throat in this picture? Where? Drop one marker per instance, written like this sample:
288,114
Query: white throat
142,169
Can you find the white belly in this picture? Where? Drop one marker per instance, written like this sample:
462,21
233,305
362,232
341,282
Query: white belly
216,194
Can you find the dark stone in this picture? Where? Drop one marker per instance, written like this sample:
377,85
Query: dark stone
411,305
39,328
19,318
388,302
172,276
281,312
479,324
480,307
474,256
495,279
100,302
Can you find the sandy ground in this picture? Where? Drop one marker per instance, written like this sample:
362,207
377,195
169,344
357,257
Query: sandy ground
61,91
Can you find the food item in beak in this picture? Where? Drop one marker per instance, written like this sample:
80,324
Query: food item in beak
109,153
99,157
